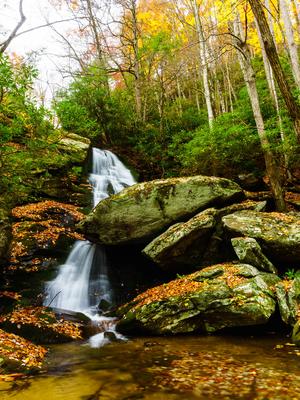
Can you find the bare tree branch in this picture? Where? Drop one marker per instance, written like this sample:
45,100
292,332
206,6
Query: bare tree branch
13,34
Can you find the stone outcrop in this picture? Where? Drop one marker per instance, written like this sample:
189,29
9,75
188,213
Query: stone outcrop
76,146
249,251
144,210
278,234
188,243
220,296
288,295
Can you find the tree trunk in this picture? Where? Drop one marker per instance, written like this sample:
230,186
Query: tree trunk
272,170
203,62
270,47
292,47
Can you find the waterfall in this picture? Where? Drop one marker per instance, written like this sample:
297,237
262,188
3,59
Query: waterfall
108,175
82,282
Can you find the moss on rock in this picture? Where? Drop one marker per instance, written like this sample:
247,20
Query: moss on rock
142,211
220,296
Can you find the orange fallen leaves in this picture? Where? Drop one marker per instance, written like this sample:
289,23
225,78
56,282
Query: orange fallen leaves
42,318
11,295
41,210
41,226
16,348
189,284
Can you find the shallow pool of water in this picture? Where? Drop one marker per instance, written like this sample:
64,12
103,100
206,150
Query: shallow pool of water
160,368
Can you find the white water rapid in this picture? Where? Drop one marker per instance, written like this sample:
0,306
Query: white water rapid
82,282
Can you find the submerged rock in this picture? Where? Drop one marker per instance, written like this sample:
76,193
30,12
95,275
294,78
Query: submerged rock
220,296
187,243
278,234
249,252
144,210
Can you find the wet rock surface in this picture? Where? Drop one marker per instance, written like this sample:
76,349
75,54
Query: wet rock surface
192,242
224,295
144,210
278,234
249,251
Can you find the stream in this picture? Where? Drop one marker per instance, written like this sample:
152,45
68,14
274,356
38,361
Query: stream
160,368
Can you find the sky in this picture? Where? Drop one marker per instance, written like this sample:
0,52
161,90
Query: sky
43,41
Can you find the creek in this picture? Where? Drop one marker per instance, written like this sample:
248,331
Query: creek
160,368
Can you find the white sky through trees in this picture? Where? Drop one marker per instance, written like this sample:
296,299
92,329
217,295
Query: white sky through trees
42,44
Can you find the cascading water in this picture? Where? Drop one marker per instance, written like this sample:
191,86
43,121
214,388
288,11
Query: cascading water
81,282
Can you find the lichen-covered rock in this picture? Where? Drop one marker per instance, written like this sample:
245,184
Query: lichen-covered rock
288,296
141,211
249,252
278,234
75,145
220,296
5,234
183,243
296,333
186,243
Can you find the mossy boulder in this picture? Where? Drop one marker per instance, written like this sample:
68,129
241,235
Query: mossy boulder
278,234
140,212
217,297
296,333
186,243
75,145
249,251
288,295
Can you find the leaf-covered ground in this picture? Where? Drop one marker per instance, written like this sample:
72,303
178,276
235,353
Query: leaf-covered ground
40,322
18,354
39,226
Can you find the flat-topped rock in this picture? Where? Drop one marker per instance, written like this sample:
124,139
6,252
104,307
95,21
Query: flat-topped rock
140,212
278,234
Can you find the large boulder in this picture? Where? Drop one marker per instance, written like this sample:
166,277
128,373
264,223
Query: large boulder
220,296
278,234
144,210
186,243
